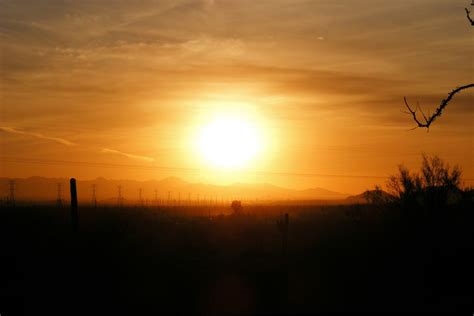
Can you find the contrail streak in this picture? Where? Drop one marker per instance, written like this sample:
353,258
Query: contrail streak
11,130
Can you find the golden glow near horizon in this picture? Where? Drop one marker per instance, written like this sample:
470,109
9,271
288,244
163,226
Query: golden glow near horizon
230,88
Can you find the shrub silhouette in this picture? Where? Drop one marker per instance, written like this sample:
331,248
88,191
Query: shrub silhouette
236,206
434,187
378,197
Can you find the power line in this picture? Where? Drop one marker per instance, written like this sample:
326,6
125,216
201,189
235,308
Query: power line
88,164
182,169
110,165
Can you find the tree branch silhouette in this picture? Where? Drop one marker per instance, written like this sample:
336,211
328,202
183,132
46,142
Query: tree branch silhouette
439,111
468,14
431,118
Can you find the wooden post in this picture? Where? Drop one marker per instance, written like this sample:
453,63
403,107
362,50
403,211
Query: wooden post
74,214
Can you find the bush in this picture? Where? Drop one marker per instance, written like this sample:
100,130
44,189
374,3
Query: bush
435,187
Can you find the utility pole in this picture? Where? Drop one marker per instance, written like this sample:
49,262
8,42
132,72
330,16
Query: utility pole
74,213
59,202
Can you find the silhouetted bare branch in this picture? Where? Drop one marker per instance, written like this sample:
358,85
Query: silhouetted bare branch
430,119
468,14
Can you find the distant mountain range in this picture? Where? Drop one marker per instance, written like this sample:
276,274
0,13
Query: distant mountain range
46,189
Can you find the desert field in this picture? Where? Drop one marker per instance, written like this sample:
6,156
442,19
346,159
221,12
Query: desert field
212,261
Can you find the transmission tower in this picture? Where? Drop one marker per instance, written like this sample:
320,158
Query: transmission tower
59,201
169,198
11,193
156,198
94,197
119,197
140,196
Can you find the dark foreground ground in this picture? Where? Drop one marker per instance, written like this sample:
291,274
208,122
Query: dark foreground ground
146,261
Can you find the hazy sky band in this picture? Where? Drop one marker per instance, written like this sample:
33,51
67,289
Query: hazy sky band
128,75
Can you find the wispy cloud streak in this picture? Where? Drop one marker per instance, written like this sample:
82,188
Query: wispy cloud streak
114,151
11,130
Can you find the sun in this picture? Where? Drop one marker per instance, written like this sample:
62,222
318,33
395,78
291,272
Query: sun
229,142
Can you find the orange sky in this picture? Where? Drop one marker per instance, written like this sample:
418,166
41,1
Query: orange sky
131,82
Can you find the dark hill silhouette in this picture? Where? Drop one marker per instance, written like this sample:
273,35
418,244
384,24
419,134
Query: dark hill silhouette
362,197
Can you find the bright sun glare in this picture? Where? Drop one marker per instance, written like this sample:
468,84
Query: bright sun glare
229,142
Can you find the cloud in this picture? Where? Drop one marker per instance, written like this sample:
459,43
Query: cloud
113,151
11,130
215,46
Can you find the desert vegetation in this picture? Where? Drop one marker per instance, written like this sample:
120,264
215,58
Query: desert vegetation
408,249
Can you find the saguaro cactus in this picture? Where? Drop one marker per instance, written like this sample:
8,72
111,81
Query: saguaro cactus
282,226
74,213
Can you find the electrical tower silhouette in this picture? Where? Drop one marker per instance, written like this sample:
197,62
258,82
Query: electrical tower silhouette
94,197
156,198
119,197
140,196
11,193
59,201
169,198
